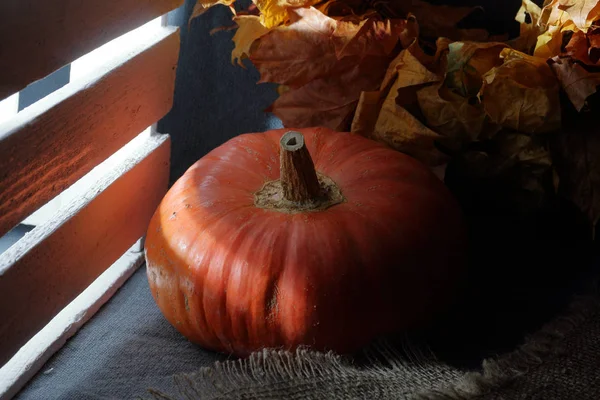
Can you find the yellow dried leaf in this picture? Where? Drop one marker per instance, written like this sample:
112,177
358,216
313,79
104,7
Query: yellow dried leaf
549,43
274,12
202,5
582,12
528,17
552,14
250,29
522,94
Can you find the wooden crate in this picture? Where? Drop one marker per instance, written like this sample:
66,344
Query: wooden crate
50,145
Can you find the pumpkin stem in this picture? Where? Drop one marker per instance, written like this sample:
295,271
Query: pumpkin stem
297,170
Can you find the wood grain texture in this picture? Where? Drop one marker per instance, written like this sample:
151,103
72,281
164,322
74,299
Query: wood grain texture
51,144
39,37
55,262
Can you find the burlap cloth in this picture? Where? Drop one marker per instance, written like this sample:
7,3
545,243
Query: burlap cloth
559,361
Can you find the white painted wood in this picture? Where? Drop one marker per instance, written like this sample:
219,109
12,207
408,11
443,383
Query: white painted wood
39,37
55,262
32,357
50,145
9,107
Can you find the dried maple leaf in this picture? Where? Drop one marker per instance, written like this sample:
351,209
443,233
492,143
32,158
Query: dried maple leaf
451,115
249,29
528,17
367,112
330,101
582,46
275,12
468,62
369,37
576,81
582,12
383,115
578,47
305,50
400,130
522,94
550,42
202,5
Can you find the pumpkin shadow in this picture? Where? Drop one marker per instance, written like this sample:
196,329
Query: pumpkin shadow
524,270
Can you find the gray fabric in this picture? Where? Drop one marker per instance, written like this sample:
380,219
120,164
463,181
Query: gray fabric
124,349
129,347
560,362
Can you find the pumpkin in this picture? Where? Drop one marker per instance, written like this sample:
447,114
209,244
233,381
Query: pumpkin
316,238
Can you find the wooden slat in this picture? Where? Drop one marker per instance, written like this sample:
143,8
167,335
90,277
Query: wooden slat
39,37
32,357
51,144
55,262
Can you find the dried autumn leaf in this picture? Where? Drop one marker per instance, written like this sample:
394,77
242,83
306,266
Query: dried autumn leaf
576,153
436,63
330,101
593,36
400,130
582,12
578,47
367,112
576,81
584,47
552,14
383,115
369,37
528,17
275,12
451,115
468,62
522,94
549,43
296,54
304,50
405,71
250,29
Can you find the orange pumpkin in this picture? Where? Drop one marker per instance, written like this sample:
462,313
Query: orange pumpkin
239,259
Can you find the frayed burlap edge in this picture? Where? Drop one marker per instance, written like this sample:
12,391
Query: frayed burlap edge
270,373
539,348
275,368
